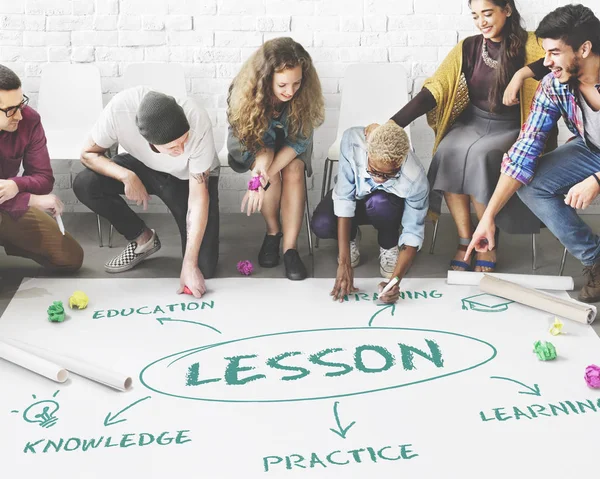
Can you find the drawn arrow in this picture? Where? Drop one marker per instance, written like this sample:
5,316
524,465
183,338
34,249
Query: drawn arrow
340,431
393,306
164,320
534,391
109,420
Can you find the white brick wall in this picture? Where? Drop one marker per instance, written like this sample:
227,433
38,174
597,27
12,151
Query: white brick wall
212,37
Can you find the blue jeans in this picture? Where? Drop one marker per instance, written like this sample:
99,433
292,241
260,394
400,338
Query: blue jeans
556,173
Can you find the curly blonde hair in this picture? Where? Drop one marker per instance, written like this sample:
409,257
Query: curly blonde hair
389,144
250,98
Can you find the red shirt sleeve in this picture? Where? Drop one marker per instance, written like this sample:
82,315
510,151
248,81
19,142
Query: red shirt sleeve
37,173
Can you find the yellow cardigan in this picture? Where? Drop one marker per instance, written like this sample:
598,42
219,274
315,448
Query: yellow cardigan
449,88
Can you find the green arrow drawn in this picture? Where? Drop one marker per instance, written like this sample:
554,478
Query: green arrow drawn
534,391
393,306
164,320
109,420
340,431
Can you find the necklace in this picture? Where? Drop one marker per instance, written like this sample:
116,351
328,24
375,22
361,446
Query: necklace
486,57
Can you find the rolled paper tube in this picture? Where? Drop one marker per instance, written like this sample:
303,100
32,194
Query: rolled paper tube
36,364
566,308
78,366
551,283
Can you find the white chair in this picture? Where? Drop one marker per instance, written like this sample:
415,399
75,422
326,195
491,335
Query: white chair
167,78
69,103
223,160
371,93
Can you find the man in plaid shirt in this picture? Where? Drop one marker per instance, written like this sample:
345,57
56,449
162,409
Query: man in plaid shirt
554,185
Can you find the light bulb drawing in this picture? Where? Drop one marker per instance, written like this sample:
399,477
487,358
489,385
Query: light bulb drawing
42,412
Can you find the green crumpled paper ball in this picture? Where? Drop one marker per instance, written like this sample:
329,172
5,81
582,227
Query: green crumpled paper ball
545,350
56,312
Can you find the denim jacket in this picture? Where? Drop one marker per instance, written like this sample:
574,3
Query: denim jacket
354,183
299,144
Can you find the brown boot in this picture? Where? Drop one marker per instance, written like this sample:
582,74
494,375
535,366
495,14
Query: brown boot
590,293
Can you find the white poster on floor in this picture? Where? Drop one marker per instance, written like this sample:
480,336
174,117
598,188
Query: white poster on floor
268,378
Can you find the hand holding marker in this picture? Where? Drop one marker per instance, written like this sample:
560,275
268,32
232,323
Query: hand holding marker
389,286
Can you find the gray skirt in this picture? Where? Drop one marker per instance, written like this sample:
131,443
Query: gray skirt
468,162
241,163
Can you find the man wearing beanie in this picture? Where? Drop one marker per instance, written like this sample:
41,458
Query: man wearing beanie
168,151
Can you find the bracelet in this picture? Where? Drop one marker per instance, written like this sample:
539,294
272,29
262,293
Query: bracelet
596,178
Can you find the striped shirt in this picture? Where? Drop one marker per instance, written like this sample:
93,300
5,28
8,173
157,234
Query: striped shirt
552,100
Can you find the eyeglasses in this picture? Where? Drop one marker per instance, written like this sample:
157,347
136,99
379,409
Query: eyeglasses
11,111
383,176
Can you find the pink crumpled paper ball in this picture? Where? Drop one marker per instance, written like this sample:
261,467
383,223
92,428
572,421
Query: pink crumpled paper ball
245,267
592,376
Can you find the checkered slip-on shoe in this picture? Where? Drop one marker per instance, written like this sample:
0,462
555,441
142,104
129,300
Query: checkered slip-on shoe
132,255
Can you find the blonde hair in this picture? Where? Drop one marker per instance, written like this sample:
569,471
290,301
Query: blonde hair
249,102
389,144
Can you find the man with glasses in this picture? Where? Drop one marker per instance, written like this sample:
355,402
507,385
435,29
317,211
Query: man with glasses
26,229
556,184
380,182
169,152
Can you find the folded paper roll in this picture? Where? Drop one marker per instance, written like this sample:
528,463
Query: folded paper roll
78,366
552,283
566,308
32,362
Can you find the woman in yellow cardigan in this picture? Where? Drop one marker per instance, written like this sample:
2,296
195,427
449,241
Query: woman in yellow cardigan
463,103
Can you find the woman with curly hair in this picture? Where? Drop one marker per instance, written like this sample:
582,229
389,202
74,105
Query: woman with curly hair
463,101
274,104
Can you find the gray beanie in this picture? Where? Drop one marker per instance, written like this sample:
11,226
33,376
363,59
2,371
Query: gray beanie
160,119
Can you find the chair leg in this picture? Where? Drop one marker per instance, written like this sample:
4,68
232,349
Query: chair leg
435,230
99,231
110,236
533,253
307,215
562,262
308,227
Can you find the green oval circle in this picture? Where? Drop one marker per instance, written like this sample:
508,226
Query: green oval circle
190,352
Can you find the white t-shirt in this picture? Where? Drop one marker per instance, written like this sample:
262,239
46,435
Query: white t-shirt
117,125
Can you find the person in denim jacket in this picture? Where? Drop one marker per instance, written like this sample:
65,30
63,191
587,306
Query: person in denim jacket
380,182
274,104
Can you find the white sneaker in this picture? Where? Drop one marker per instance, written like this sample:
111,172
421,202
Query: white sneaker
354,251
387,261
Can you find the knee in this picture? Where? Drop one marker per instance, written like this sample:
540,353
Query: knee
83,184
528,193
294,171
323,225
68,259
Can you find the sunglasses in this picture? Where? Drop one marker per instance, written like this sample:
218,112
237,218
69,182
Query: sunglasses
11,111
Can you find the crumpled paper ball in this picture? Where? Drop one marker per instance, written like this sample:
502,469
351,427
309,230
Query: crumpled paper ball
245,267
78,300
556,327
56,312
254,184
545,350
592,376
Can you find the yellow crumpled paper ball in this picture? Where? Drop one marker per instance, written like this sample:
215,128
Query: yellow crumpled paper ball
78,300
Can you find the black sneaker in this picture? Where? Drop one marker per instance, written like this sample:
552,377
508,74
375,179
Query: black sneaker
268,256
294,267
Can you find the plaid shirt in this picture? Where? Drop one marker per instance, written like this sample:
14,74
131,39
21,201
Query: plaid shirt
552,100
